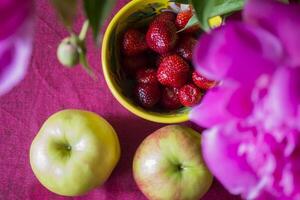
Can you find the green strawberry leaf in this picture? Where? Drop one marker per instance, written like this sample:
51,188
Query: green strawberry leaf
66,10
96,12
205,9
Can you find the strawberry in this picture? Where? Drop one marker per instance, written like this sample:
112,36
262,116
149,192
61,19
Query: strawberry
170,99
147,76
160,58
173,71
166,16
147,94
134,42
132,64
183,18
186,46
161,36
189,95
202,82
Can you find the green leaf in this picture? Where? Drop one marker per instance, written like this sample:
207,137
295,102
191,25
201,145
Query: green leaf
182,1
205,9
228,6
66,10
192,22
96,12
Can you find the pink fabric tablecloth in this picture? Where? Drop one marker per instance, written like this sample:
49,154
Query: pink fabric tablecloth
48,88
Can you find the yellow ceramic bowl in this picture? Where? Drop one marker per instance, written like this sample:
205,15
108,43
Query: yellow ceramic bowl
135,13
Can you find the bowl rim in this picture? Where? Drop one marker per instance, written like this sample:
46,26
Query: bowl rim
160,118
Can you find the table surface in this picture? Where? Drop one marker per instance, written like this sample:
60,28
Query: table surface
48,88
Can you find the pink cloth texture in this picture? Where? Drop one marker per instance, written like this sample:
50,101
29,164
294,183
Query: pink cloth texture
47,88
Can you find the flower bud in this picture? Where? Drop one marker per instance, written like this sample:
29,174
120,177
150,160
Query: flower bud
67,52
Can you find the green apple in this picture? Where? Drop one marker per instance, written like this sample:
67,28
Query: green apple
168,165
74,152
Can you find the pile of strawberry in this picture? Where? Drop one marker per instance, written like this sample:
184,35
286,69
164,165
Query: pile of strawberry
170,81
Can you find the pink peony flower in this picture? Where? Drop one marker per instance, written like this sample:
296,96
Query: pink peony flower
252,144
15,41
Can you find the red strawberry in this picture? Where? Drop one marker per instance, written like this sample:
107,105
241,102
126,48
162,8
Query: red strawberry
147,76
161,36
202,82
134,42
189,95
160,58
183,18
147,94
132,64
166,16
173,71
170,99
186,46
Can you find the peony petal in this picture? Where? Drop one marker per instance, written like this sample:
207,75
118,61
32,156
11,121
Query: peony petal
284,95
237,16
13,13
265,195
220,147
222,104
15,54
240,104
283,20
238,52
211,111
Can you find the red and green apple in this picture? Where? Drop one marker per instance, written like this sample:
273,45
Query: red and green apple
168,165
